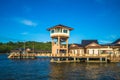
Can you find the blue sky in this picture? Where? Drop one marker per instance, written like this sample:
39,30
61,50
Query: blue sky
28,19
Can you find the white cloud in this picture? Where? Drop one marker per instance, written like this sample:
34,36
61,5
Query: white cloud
24,33
25,21
28,22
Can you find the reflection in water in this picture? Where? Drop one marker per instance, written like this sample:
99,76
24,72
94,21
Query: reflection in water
42,69
83,71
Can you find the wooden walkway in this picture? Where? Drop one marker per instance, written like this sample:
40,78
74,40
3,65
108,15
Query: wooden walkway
106,57
22,56
68,57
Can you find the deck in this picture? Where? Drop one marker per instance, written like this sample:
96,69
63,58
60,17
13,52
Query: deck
22,56
69,57
78,57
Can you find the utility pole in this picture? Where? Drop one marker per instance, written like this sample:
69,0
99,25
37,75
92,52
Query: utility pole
24,47
33,47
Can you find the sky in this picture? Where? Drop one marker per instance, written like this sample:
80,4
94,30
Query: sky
28,20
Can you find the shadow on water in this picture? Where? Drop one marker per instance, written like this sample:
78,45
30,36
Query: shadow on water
42,69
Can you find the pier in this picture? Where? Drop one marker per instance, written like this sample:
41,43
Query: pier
71,57
79,58
22,56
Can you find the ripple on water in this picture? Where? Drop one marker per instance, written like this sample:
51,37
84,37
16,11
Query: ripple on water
42,69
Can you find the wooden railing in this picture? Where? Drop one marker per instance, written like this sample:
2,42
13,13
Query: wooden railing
71,55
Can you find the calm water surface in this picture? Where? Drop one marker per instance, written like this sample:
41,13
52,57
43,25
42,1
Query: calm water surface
42,69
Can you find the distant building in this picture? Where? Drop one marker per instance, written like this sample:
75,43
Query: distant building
93,47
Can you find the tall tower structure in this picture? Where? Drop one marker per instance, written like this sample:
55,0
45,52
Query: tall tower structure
60,35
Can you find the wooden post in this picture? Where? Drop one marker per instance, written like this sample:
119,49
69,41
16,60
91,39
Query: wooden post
105,59
87,59
52,60
74,59
67,45
58,44
66,59
100,59
58,59
52,47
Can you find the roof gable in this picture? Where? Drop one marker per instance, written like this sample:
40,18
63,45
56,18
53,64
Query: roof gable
93,44
60,26
75,46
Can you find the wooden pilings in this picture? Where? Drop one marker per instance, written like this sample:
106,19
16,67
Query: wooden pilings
78,59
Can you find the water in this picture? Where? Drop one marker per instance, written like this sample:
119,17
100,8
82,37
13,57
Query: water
42,69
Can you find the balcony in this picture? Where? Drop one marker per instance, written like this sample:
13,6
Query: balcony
59,34
63,46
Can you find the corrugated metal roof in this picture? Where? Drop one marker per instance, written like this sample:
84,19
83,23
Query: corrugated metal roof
86,42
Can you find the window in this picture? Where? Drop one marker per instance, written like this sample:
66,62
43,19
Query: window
58,30
65,31
52,31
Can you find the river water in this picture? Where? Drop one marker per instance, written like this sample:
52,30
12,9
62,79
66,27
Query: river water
42,69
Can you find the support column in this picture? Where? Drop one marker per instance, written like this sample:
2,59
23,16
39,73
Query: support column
74,59
78,60
58,44
52,60
87,59
101,59
67,45
66,59
52,46
105,59
58,59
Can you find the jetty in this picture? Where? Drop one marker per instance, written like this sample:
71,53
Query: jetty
22,56
71,57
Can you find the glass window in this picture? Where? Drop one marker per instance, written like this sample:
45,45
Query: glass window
58,30
65,31
52,31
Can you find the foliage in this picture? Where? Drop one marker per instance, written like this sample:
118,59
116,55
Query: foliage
7,47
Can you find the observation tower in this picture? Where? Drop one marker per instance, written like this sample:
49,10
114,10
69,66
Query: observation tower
60,34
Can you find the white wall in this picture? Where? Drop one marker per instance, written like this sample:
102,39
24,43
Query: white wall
93,51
